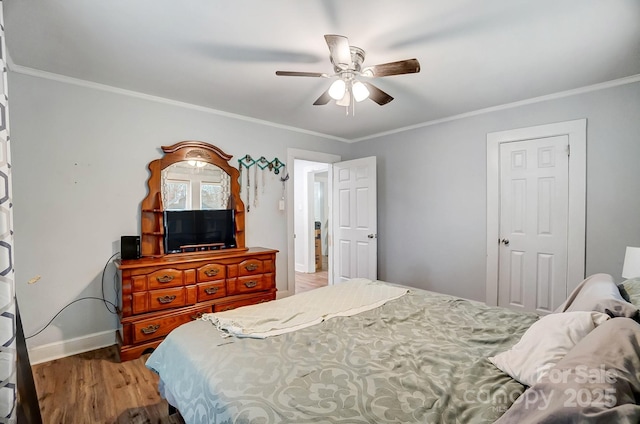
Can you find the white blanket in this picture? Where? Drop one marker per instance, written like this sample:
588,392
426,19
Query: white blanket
305,309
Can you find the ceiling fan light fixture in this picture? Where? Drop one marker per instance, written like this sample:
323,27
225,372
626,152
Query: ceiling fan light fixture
347,63
345,100
360,91
337,89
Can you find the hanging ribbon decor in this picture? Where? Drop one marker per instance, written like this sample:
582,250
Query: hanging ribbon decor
263,164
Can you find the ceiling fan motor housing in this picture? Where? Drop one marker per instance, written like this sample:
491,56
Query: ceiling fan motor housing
357,57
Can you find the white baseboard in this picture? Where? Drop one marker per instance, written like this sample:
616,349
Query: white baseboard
65,348
280,294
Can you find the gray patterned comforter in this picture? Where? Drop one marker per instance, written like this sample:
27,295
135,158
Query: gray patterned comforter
421,358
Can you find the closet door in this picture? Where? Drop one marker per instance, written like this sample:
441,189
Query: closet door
536,214
534,222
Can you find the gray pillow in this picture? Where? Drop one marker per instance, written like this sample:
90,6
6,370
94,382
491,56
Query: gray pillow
632,288
598,381
599,293
624,293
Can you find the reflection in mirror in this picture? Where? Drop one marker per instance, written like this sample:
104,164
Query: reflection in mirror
195,185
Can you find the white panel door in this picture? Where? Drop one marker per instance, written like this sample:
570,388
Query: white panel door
355,239
534,202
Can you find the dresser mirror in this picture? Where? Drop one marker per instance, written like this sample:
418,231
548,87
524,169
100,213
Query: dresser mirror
195,184
191,176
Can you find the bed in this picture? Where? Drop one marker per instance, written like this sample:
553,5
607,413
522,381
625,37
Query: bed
420,357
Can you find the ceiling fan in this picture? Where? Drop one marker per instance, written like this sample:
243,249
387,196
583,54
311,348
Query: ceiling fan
347,64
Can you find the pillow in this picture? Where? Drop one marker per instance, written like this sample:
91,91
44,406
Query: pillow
597,382
624,294
598,293
632,288
545,343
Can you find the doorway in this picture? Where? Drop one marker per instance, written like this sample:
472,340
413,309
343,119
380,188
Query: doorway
529,274
311,224
301,256
350,217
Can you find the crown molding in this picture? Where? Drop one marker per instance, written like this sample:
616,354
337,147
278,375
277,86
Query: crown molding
568,93
130,93
103,87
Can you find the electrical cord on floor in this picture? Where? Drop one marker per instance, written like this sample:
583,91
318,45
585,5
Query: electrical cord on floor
65,307
104,270
106,302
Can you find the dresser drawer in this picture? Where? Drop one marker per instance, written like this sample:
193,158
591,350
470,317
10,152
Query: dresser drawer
247,284
164,278
149,329
211,272
250,267
213,290
227,306
156,300
159,293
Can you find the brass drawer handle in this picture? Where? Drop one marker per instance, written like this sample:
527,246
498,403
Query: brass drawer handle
164,279
250,284
211,272
251,267
211,290
197,316
166,299
150,329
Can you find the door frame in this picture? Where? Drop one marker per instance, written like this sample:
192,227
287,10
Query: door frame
308,238
576,130
311,215
292,155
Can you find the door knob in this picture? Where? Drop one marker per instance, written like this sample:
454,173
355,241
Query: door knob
371,236
505,242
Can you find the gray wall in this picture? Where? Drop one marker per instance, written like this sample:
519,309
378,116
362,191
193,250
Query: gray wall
432,190
80,172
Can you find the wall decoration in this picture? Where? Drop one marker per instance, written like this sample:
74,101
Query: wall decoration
260,167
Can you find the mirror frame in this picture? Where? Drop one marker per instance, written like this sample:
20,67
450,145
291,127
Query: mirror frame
152,216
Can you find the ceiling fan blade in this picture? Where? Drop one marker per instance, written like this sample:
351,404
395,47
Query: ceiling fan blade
409,66
323,99
377,95
301,74
339,50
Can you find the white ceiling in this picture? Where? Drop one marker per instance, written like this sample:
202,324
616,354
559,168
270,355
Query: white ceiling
223,54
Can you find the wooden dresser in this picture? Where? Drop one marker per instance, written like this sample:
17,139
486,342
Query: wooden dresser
159,294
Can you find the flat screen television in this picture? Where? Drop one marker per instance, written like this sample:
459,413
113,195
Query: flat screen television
193,230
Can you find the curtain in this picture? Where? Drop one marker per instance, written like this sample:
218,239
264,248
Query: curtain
8,388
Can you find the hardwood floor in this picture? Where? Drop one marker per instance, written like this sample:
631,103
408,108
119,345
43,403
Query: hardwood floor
309,281
93,387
